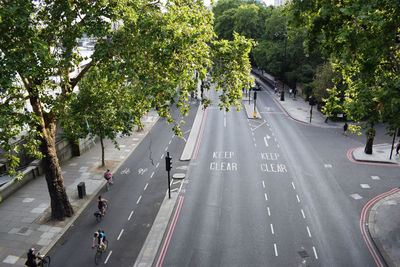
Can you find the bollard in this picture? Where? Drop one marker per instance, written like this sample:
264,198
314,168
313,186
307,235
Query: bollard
81,189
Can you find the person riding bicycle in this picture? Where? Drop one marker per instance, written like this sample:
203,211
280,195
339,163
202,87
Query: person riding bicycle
108,176
101,202
101,238
32,258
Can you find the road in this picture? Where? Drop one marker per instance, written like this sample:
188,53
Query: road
134,200
272,192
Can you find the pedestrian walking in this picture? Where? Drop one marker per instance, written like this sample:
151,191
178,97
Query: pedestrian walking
345,127
397,148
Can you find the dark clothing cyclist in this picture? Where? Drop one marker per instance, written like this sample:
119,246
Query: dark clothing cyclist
31,261
101,203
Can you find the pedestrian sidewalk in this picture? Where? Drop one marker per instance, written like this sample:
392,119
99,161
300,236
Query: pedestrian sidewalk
24,216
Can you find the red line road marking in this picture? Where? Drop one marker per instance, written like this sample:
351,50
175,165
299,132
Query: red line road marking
363,229
170,232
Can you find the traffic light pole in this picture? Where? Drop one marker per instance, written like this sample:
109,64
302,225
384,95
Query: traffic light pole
168,166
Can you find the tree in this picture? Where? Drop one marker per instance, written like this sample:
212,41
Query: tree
103,107
157,47
362,41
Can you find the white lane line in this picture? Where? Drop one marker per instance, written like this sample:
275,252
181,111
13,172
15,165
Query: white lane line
175,189
255,144
130,215
302,213
166,148
170,141
308,230
263,184
146,186
266,197
109,254
276,250
119,236
151,176
254,139
315,252
272,229
293,186
173,136
259,126
158,164
278,145
224,118
177,182
252,133
162,156
137,202
265,141
269,212
298,199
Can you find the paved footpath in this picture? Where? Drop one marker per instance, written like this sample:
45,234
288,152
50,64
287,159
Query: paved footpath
24,216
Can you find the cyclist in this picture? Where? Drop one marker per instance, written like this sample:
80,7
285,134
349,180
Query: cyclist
101,238
108,176
31,261
101,203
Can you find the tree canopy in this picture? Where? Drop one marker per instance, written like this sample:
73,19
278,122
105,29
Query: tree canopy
363,43
156,48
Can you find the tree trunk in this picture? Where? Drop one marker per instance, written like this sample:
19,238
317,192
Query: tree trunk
60,205
102,152
370,143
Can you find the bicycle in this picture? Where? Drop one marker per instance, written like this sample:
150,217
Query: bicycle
109,184
44,261
98,214
99,252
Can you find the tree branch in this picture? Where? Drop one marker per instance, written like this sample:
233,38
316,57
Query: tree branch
75,80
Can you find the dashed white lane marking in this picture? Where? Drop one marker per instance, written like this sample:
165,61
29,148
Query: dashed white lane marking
151,176
269,212
170,141
175,189
315,252
308,231
272,228
137,202
293,186
109,254
375,178
278,145
173,136
254,139
162,156
265,195
356,196
263,184
158,164
276,250
145,187
265,141
255,144
328,165
252,133
120,234
130,215
365,186
302,213
298,199
166,148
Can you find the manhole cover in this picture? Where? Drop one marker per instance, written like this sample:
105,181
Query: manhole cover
303,254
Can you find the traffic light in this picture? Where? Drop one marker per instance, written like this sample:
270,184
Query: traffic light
168,163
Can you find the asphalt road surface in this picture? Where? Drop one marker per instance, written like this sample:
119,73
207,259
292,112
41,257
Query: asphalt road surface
272,192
